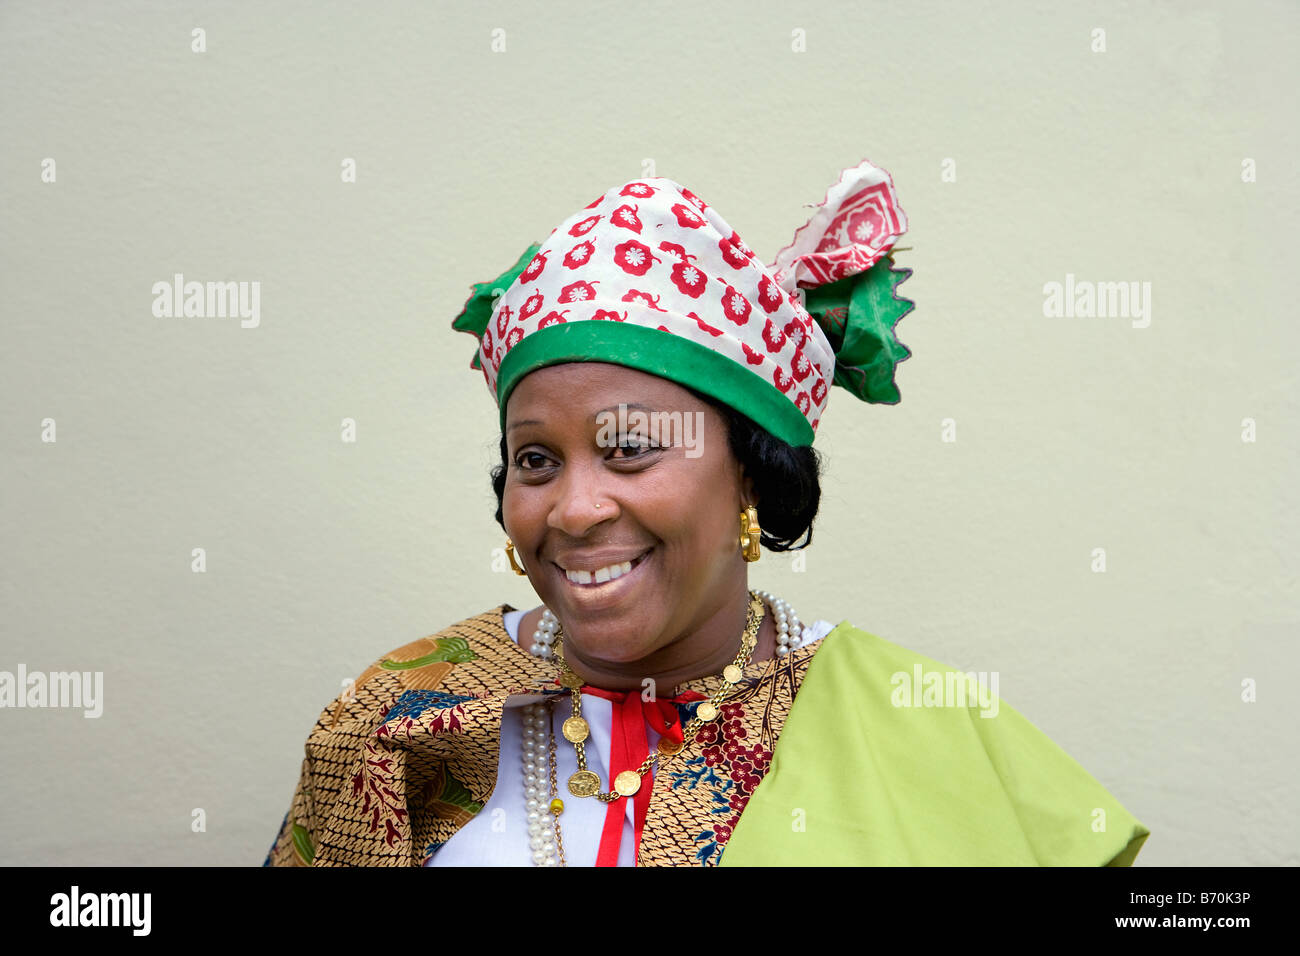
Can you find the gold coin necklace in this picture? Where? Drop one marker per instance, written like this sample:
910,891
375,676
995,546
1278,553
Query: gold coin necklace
585,783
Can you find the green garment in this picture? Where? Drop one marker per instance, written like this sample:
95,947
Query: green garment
857,781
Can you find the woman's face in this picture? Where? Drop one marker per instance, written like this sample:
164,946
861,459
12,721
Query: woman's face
585,491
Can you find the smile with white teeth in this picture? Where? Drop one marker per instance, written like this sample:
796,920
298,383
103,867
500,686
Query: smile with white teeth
600,575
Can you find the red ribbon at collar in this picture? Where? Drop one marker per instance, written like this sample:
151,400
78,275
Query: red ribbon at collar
629,746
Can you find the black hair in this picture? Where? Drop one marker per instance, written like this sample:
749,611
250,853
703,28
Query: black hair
786,479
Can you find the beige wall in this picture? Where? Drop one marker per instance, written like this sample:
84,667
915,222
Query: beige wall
1072,433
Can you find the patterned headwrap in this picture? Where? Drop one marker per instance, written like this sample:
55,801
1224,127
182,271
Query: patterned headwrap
651,277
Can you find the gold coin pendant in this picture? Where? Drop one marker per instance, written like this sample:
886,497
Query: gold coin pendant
584,783
627,783
732,674
575,730
570,680
706,711
668,747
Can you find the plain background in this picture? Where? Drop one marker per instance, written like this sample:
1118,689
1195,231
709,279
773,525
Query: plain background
1072,434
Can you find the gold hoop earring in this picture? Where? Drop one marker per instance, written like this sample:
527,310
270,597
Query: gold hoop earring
510,554
749,534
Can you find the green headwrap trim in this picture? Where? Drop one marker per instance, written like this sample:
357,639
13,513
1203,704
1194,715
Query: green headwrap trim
476,314
659,353
858,315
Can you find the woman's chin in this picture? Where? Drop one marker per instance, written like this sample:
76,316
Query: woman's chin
609,644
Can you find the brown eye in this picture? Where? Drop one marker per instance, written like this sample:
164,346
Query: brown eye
635,446
528,456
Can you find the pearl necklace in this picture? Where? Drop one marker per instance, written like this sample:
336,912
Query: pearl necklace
789,629
544,837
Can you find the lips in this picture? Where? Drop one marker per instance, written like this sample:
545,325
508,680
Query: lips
605,573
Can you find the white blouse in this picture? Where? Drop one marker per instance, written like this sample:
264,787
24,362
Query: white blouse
498,834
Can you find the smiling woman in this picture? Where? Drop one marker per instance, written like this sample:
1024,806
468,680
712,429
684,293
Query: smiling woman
653,709
632,542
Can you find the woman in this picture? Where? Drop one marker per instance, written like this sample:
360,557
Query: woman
659,389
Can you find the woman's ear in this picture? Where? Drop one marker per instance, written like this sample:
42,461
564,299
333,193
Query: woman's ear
746,490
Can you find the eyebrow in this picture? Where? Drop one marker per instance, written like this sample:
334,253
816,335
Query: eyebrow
612,408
